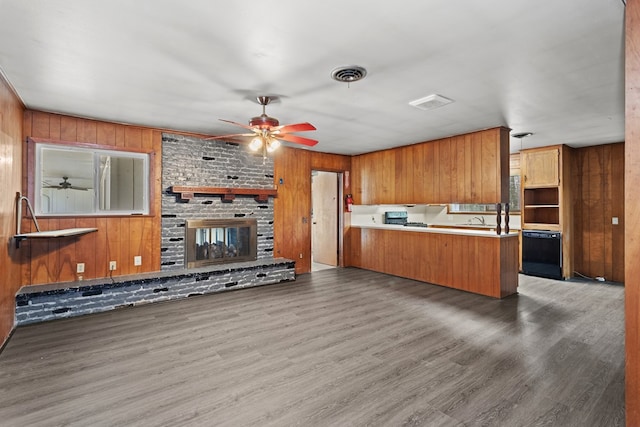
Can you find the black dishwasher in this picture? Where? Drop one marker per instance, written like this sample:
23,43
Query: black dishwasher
542,253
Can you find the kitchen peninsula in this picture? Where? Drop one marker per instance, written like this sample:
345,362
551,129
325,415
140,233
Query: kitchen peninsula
466,258
424,179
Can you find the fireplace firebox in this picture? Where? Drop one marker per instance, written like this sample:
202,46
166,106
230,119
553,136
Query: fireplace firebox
218,241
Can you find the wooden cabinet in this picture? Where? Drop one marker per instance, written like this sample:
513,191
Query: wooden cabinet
470,168
546,195
541,168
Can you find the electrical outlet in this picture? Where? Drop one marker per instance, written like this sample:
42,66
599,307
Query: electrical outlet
614,220
112,265
137,260
80,267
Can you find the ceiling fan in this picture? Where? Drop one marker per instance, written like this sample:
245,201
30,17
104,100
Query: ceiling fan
65,184
267,131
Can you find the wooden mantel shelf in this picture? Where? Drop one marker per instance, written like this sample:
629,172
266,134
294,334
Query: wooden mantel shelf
261,195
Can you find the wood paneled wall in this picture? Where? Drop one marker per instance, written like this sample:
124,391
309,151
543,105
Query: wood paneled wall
470,168
292,206
122,238
598,196
118,238
11,113
632,211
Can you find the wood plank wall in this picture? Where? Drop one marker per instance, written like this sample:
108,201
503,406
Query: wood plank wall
122,238
598,182
469,168
118,238
11,114
632,211
292,207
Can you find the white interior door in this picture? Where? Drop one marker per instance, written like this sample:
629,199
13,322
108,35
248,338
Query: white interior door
325,204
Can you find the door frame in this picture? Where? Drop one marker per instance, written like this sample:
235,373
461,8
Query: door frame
339,213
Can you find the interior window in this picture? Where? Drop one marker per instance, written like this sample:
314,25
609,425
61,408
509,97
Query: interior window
72,180
514,201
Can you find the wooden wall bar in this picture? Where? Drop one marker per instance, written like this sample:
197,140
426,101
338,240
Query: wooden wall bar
598,196
632,211
11,114
292,207
118,238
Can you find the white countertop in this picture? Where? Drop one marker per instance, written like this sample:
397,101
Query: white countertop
491,232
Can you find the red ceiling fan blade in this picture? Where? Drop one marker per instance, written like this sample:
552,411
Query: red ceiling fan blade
297,139
298,127
227,137
237,124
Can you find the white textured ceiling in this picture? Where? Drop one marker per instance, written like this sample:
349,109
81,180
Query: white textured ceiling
554,68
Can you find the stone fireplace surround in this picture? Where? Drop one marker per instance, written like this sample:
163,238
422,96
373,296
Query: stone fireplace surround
189,161
192,162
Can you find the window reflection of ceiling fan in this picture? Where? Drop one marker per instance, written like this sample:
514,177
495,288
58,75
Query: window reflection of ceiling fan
267,131
65,184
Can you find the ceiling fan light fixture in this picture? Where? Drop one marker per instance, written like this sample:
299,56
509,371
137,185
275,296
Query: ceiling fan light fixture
272,145
267,130
255,143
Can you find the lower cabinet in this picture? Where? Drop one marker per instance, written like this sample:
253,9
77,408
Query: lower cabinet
486,265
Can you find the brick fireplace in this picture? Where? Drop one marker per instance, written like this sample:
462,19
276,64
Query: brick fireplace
189,161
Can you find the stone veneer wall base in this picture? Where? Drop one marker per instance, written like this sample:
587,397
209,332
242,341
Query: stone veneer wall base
40,303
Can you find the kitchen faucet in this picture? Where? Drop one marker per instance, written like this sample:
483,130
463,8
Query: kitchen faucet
481,219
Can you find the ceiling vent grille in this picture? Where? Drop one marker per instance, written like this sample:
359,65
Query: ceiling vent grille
349,74
431,102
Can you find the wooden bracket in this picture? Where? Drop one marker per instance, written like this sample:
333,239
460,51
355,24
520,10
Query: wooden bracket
261,195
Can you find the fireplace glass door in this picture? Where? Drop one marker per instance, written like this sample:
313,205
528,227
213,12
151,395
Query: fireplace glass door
220,241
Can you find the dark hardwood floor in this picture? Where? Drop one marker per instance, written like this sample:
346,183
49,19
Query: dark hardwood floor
340,347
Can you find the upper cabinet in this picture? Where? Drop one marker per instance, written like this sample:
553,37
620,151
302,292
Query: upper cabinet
545,187
540,168
470,168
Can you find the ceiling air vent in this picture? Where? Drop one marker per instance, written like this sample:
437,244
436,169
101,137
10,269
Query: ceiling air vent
349,74
430,102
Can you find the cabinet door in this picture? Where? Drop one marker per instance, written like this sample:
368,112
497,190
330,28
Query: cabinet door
540,168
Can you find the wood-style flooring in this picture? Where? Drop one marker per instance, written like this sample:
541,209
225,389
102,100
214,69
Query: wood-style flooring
339,347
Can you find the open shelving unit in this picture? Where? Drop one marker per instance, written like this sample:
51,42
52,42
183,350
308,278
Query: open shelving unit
542,206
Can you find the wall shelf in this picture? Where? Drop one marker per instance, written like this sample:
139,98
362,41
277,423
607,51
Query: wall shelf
39,234
261,195
52,234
